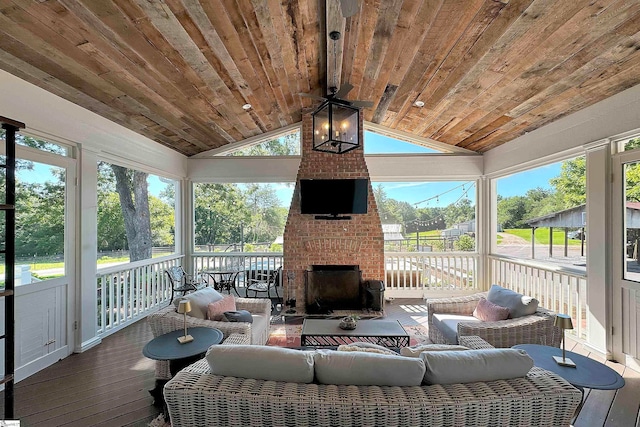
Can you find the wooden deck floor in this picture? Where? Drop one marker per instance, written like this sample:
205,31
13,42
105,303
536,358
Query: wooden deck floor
104,386
107,385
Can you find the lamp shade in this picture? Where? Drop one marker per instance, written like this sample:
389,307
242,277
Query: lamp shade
336,127
184,306
563,322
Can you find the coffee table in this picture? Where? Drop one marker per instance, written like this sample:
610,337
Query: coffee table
327,333
588,373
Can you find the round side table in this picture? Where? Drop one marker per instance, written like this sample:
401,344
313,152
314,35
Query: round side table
167,347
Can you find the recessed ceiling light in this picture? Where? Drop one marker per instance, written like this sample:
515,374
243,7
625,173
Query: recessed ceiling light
418,104
246,107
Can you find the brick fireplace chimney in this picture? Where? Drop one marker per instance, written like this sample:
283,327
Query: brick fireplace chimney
309,241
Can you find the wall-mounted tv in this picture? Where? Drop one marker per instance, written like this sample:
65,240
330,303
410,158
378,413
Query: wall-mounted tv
334,196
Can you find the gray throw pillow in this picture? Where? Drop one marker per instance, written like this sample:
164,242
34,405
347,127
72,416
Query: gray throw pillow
519,305
238,316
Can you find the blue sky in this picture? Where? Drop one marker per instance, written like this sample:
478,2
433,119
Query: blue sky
444,193
439,193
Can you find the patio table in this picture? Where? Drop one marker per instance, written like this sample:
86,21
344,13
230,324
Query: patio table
223,279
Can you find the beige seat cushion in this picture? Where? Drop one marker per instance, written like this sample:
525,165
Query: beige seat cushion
458,367
261,363
361,368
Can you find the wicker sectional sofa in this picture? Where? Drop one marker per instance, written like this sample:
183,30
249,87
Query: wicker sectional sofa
195,397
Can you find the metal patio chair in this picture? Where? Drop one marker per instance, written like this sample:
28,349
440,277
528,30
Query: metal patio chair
182,282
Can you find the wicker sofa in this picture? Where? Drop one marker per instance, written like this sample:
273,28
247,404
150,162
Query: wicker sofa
537,328
195,397
168,320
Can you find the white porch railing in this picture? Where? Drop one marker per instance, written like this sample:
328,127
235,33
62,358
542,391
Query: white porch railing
130,291
407,274
430,274
561,289
247,263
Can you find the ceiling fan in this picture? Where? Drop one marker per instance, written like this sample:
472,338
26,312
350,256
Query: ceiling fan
337,11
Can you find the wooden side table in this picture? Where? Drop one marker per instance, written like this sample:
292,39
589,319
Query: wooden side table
167,347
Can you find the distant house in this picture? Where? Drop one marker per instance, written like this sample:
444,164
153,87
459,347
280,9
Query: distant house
467,226
451,232
392,232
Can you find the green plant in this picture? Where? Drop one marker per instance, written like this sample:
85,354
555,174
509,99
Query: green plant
353,317
465,243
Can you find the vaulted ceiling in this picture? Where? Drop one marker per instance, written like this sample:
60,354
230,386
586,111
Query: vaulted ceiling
179,71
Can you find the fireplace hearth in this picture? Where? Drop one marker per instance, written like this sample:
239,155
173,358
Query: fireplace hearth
333,287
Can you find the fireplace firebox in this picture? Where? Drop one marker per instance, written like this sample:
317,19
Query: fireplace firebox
333,287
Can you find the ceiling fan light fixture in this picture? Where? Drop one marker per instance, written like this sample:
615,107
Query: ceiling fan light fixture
336,127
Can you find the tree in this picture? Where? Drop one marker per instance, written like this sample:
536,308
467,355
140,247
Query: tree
263,204
132,189
571,184
388,209
461,211
512,211
111,233
220,213
287,145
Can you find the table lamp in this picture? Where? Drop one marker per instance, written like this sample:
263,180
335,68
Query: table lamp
184,307
563,322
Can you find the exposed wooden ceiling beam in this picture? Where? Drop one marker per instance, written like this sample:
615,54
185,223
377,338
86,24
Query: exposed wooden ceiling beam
334,23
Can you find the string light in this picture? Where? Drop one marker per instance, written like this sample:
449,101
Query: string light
465,191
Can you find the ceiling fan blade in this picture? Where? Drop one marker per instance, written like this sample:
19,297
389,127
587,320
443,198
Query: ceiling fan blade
349,7
344,90
312,96
363,104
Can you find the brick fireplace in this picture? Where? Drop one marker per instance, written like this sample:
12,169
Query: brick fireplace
312,242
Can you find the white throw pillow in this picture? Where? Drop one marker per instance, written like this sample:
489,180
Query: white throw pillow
360,368
261,363
366,347
415,350
200,301
457,367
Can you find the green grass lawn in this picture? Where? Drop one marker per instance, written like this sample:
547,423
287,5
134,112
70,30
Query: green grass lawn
542,235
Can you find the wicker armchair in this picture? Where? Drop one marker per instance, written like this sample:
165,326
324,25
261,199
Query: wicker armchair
168,320
534,329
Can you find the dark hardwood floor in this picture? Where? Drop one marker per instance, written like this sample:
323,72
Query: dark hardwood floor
104,386
107,385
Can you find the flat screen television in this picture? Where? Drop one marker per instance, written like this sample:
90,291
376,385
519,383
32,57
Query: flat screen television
334,196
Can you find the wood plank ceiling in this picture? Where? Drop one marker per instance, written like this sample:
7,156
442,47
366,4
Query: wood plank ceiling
179,71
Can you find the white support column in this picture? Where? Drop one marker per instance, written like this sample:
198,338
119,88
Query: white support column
184,223
485,229
87,304
599,245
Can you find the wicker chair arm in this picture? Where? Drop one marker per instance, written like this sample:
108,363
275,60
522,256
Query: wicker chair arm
261,306
474,342
533,329
458,305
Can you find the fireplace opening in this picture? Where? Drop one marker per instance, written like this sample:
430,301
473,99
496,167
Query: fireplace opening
333,287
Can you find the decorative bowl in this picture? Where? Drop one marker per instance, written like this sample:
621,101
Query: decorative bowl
348,323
